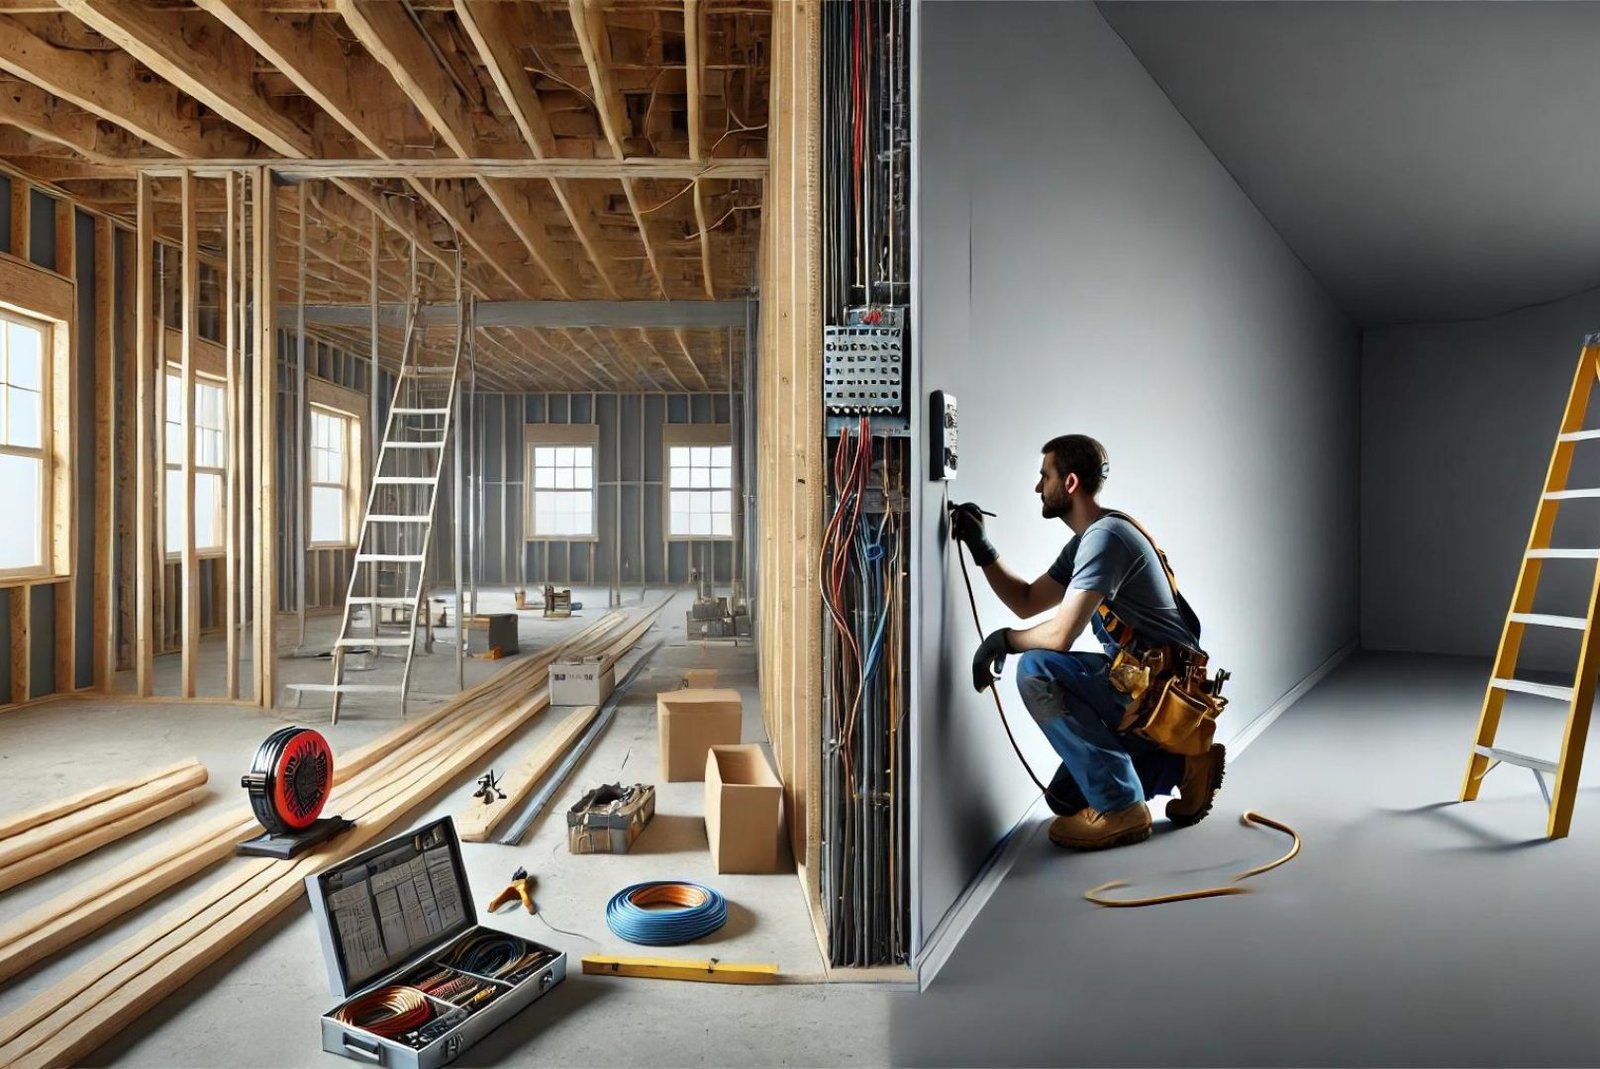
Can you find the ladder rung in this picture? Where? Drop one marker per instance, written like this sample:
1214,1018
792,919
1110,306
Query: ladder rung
420,411
377,558
404,480
365,600
1558,495
428,369
1511,757
348,688
1543,690
1578,436
378,517
414,445
347,643
1571,554
1577,623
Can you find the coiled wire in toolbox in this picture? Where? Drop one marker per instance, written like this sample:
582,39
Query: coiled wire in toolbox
389,1011
494,955
700,911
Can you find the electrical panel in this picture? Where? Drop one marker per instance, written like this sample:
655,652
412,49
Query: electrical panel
863,363
944,436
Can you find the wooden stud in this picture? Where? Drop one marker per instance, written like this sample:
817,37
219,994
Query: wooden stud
107,458
21,212
65,638
228,306
266,538
694,60
19,602
189,566
145,484
127,504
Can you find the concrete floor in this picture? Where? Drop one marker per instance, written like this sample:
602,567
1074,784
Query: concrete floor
260,1005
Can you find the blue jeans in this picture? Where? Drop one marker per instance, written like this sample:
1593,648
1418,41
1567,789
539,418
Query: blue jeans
1072,700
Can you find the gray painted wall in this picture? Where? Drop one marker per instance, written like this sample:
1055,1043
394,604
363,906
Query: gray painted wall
1086,264
628,477
1459,420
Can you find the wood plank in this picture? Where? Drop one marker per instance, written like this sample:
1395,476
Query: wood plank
66,239
49,859
189,566
145,486
21,210
234,384
106,458
266,374
19,604
127,505
56,823
478,823
77,1015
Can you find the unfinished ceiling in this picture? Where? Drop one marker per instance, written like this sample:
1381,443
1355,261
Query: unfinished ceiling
1427,161
646,121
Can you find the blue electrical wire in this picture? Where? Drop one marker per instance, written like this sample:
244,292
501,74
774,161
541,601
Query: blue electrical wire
665,927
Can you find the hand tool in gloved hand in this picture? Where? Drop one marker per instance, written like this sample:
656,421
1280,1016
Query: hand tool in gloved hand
966,525
990,660
521,886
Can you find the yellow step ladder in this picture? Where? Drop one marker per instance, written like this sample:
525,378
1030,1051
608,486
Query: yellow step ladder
1580,696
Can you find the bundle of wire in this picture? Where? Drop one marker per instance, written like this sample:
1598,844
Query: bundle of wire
697,911
452,986
389,1012
494,955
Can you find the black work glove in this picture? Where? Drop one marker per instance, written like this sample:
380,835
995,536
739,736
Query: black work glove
966,525
990,660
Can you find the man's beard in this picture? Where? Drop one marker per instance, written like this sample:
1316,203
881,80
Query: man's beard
1052,510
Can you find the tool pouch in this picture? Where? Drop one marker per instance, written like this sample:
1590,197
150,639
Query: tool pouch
1173,709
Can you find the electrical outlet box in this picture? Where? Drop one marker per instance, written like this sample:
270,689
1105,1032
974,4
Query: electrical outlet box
944,436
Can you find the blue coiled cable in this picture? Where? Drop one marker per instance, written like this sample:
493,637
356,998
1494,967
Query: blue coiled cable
700,911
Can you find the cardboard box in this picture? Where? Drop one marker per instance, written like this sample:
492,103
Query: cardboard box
691,721
700,678
492,631
580,682
744,811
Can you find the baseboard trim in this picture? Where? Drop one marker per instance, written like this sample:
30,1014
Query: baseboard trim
942,943
959,917
1253,730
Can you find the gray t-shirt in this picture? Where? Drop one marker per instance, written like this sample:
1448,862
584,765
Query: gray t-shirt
1112,558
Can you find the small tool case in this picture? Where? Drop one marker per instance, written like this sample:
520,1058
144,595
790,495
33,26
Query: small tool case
608,819
421,980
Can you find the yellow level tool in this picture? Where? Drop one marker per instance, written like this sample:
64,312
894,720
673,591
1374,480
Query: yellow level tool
710,972
1580,696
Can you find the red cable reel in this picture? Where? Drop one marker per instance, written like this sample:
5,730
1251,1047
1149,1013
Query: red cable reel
290,779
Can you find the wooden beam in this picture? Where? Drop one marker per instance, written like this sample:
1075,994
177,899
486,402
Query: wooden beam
114,86
653,168
216,68
189,565
127,506
694,60
19,605
107,459
265,538
145,484
21,213
588,23
61,122
479,822
495,30
232,388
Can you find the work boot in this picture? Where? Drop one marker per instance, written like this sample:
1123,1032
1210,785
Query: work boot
1202,779
1090,829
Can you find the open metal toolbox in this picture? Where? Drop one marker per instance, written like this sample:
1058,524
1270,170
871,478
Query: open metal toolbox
399,916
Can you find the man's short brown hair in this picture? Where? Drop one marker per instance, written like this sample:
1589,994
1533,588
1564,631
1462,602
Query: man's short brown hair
1080,455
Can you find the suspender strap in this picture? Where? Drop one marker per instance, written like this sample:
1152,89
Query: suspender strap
1122,633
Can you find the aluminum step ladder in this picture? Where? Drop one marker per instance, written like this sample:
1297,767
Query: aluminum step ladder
1579,697
388,577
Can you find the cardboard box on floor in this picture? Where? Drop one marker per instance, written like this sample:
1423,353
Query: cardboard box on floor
580,682
690,722
744,811
700,678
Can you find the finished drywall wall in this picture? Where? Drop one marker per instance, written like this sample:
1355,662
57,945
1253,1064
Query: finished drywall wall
1087,265
1458,423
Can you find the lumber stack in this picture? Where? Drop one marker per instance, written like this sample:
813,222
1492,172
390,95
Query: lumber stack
479,822
43,839
70,1020
35,936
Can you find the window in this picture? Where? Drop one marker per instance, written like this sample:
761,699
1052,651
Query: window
699,484
331,486
210,438
24,458
563,491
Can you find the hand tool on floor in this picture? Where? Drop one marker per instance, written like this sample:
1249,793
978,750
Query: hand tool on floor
521,886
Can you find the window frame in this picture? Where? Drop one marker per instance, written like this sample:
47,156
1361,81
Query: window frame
43,451
37,296
351,484
210,377
556,435
681,435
